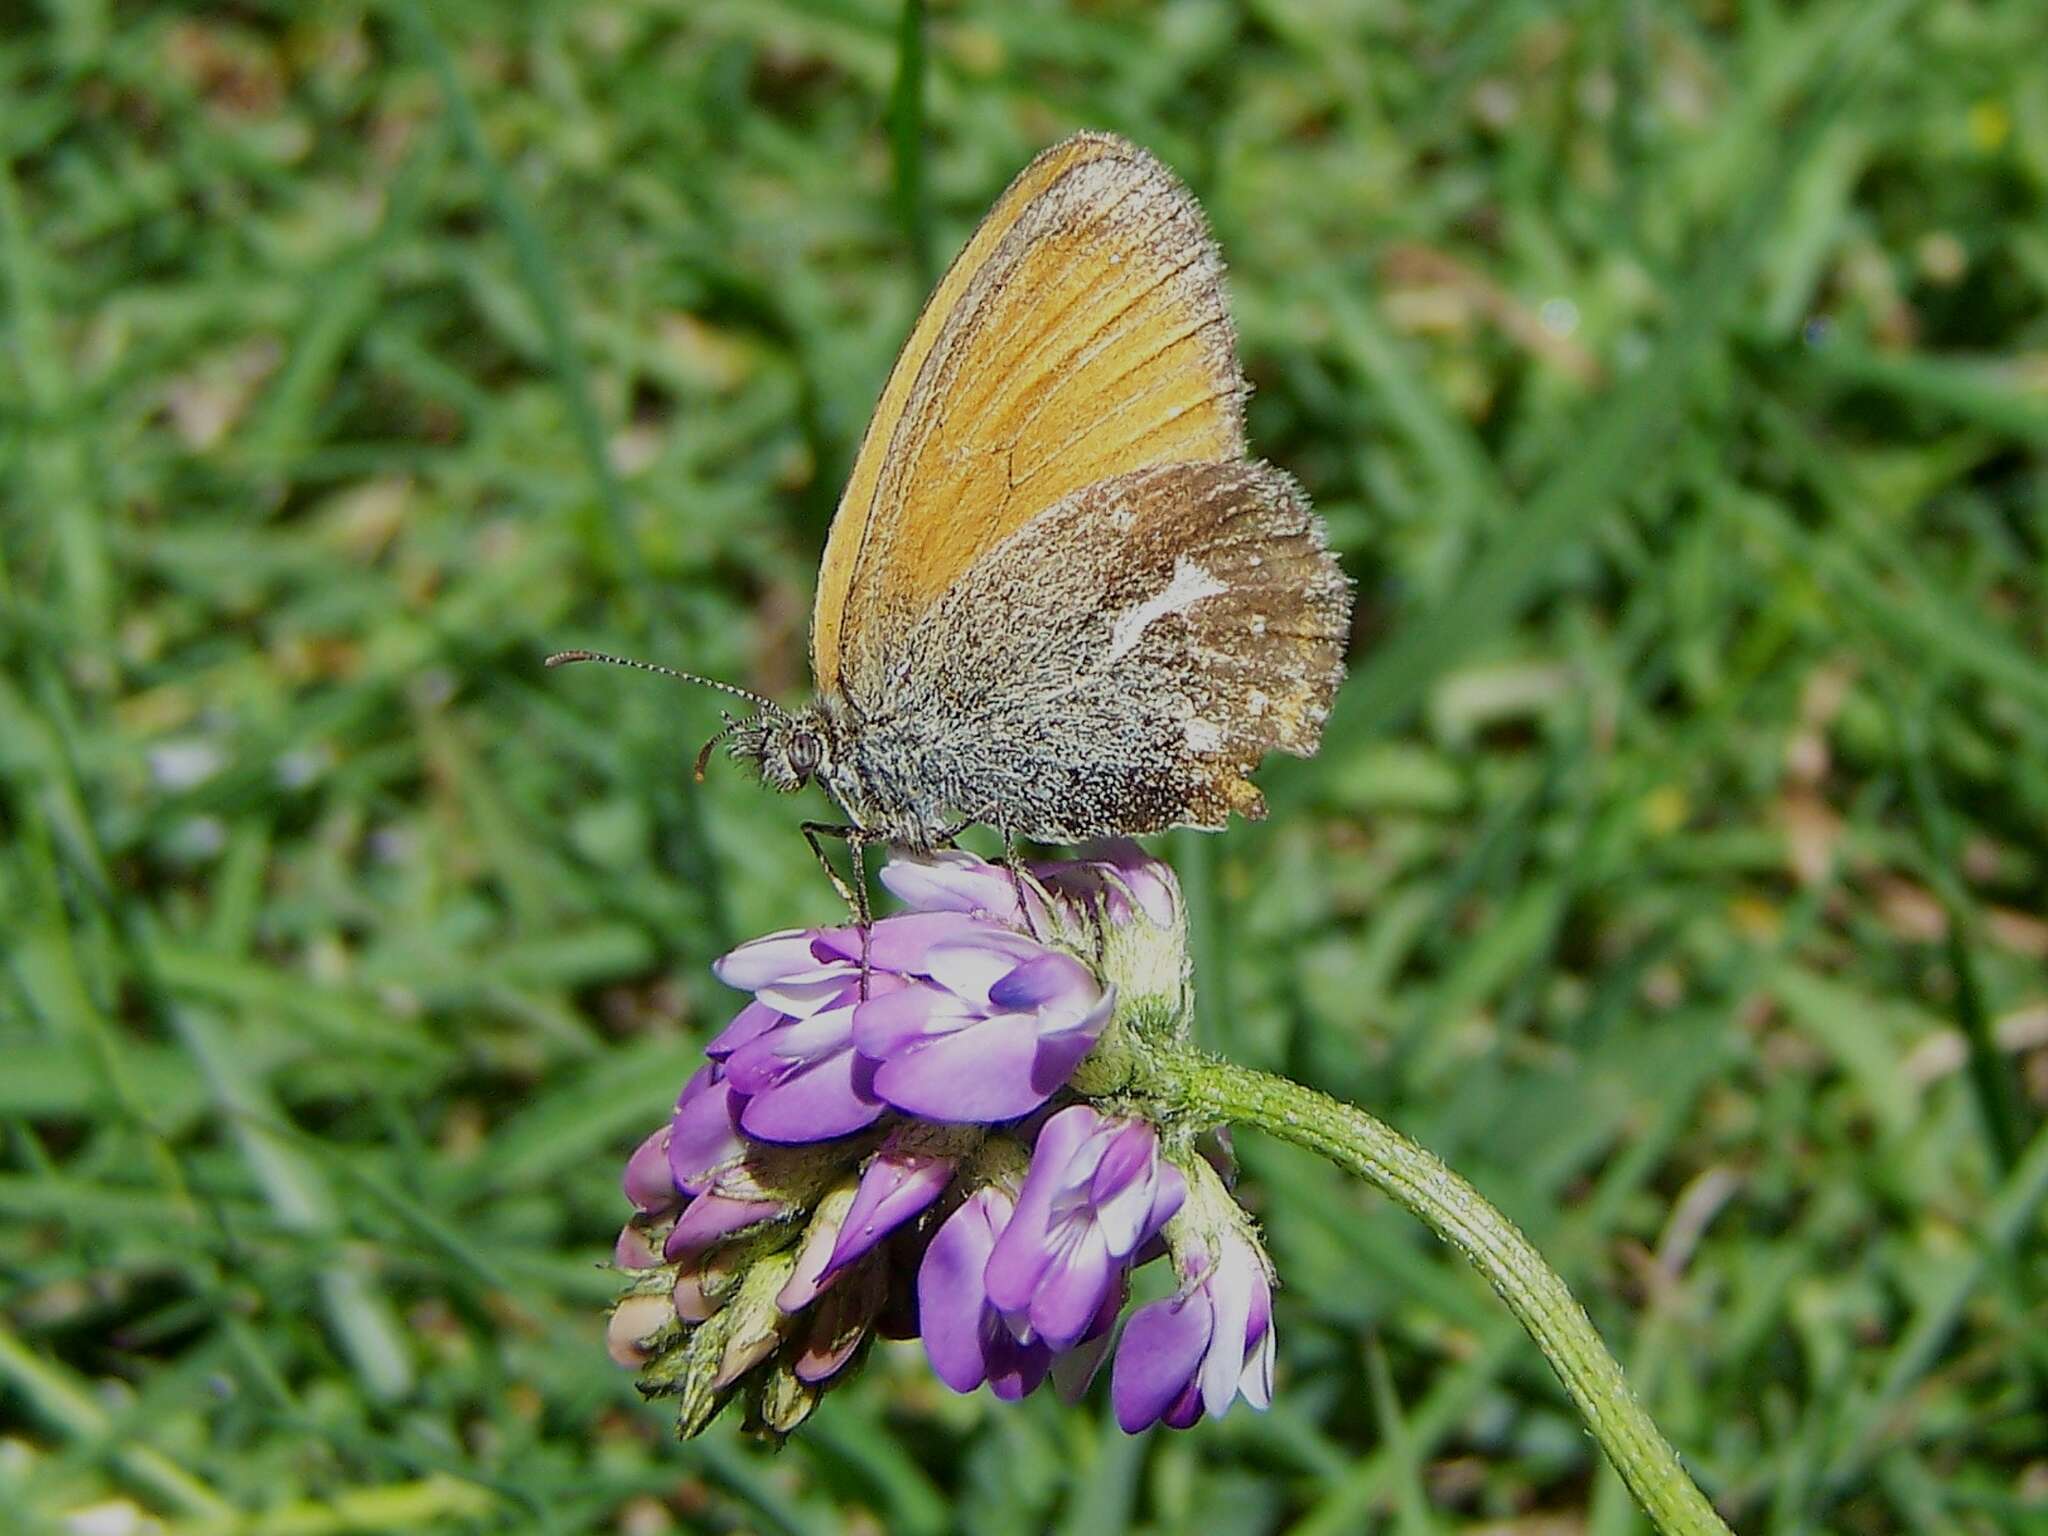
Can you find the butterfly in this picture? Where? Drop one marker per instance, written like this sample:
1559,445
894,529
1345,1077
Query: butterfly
1058,598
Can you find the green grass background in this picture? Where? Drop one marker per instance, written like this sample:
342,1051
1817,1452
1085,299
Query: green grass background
1674,378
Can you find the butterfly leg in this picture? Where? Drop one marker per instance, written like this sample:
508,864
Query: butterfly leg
1016,868
855,895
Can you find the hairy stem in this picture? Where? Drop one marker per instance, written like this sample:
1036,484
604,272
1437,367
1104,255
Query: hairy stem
1216,1090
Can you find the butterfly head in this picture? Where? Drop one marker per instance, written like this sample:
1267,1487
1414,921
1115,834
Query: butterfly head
787,750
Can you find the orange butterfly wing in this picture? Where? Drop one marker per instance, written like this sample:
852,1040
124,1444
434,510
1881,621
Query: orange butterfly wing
1081,334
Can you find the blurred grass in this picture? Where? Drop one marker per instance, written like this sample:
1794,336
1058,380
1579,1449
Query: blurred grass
1675,380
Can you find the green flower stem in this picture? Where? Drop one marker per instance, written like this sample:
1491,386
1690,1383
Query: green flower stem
1211,1090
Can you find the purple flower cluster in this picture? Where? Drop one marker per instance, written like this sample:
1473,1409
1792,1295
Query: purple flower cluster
896,1149
1019,1275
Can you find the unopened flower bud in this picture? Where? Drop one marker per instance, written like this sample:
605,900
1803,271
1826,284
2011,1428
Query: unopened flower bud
635,1321
647,1180
809,1277
639,1245
784,1401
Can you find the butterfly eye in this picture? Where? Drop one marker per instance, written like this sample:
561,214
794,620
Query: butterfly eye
805,752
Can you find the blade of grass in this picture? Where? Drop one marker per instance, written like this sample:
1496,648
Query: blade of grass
361,1317
912,1504
906,142
1990,392
1991,1081
303,1202
1411,1499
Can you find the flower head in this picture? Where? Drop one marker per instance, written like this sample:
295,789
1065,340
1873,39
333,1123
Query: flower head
894,1137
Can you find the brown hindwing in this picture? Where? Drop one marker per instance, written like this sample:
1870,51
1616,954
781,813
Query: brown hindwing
1122,662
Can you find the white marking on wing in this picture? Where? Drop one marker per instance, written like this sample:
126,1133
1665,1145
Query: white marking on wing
1204,736
1189,586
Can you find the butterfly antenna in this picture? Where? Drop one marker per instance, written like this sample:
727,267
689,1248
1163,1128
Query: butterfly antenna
711,746
760,701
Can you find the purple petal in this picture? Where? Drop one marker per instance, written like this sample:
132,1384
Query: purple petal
953,881
1124,1186
1123,878
775,957
822,1361
1130,1160
1260,1321
1186,1410
1057,1057
689,1300
1045,979
810,1039
647,1180
1148,881
1158,1358
1081,1015
1072,1291
632,1320
887,1025
1024,1251
1167,1198
972,963
801,999
816,1102
894,1188
746,1024
1258,1381
1061,1138
1229,1286
1074,1370
1132,1216
810,1276
704,1137
898,944
768,1058
951,1306
753,1067
984,1073
834,1334
712,1218
1014,1368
